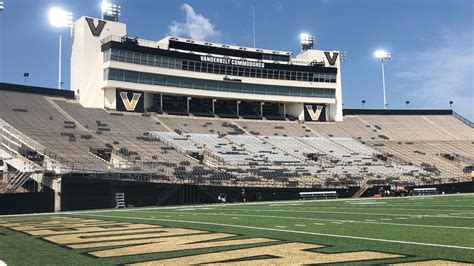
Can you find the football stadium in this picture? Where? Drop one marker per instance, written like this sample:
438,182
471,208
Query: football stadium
182,151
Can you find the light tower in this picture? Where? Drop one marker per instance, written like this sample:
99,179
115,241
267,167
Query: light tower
110,12
2,6
307,41
383,55
60,18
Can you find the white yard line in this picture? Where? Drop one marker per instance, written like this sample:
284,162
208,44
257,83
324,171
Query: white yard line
364,213
287,231
411,204
367,221
386,207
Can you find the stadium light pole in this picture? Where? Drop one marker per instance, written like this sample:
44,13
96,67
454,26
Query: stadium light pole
383,55
2,5
60,18
26,75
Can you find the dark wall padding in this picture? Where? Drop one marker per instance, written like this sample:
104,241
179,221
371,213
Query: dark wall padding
17,203
93,193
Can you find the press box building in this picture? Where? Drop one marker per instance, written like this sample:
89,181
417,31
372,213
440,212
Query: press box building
175,75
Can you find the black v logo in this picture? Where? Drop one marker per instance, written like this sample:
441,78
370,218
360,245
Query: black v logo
95,30
331,59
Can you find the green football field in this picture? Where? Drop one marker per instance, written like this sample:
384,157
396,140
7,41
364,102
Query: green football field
431,230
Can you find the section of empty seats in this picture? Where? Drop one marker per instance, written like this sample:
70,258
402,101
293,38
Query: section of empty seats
27,111
355,146
453,126
427,155
34,116
274,128
407,127
337,152
292,146
223,150
262,149
100,120
200,125
180,142
351,127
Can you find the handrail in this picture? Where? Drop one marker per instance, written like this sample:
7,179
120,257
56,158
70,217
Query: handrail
67,165
463,119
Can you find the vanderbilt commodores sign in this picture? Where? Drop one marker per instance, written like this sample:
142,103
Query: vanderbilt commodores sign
314,112
129,101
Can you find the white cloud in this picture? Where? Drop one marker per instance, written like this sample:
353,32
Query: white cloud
442,73
195,26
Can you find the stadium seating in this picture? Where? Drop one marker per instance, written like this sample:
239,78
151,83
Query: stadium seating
372,149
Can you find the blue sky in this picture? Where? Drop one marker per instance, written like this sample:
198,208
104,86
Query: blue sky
431,41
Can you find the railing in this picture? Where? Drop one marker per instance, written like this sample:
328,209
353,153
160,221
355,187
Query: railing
141,42
7,128
463,119
9,136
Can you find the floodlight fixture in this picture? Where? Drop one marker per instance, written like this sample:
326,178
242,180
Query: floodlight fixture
306,41
343,56
2,5
60,18
110,11
383,55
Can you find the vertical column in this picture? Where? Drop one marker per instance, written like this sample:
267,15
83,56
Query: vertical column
261,109
238,108
59,61
161,102
56,186
187,103
284,110
213,107
328,112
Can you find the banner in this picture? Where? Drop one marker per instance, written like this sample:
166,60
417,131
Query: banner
130,101
314,112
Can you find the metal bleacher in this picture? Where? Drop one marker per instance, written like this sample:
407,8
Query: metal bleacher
376,149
